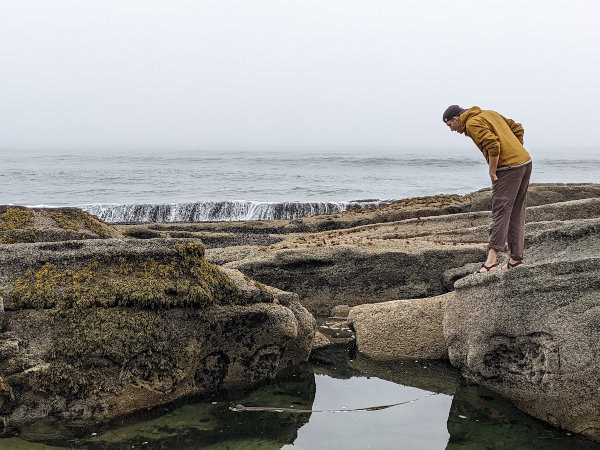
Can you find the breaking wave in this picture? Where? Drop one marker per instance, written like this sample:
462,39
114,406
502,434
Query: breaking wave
221,211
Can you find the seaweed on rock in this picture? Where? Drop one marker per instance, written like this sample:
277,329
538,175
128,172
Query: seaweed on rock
187,280
15,226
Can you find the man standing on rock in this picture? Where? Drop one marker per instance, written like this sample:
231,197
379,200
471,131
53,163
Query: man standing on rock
501,142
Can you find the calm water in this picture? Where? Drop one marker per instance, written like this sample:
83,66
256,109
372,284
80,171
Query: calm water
458,416
61,178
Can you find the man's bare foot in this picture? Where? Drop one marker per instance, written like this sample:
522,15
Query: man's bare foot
490,268
512,264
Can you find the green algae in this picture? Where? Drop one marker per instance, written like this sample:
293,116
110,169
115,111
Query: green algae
187,280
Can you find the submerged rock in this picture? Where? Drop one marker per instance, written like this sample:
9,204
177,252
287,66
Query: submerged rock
401,329
94,330
532,333
480,418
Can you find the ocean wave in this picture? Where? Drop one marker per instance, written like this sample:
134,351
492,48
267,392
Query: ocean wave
239,210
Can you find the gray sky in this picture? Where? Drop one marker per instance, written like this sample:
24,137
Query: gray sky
139,73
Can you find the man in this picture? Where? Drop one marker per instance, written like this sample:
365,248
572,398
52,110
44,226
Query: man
501,142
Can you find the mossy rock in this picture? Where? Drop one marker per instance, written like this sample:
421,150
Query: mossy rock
27,225
183,279
77,220
88,342
143,233
16,225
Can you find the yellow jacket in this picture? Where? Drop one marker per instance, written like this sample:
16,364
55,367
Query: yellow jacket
495,135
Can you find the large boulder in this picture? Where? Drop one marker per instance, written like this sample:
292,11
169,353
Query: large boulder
94,330
532,333
401,329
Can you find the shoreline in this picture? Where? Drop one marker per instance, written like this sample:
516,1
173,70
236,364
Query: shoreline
280,274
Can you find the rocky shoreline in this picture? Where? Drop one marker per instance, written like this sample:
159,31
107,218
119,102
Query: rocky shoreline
402,269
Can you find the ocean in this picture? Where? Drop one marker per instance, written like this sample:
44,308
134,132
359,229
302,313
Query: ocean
218,184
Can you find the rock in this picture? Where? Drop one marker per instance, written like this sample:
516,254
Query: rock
327,277
401,329
532,334
408,258
340,311
140,232
94,330
399,210
209,238
320,340
19,224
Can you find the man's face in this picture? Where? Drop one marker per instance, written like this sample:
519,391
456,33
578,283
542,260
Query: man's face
456,125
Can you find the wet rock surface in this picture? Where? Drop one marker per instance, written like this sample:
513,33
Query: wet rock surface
355,275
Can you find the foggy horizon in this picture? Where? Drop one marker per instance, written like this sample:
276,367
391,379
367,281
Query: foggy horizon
346,74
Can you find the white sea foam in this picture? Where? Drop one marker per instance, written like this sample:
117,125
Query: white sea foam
219,211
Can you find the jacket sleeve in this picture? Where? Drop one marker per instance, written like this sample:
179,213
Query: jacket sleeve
485,139
516,128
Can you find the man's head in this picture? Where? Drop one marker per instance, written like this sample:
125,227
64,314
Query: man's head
451,118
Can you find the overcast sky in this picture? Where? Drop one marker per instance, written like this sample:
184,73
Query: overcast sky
148,73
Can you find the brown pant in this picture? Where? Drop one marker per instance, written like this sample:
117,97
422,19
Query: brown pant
509,194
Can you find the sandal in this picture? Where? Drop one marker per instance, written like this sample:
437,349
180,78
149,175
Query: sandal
510,266
487,268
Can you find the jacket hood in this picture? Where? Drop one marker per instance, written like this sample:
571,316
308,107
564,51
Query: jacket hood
471,112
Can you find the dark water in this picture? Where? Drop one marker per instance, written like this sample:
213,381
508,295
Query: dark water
458,416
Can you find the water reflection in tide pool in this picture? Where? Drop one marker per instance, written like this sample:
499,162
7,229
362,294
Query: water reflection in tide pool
458,416
420,424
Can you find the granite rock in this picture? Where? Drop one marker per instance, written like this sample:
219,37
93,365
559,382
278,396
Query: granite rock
532,334
401,329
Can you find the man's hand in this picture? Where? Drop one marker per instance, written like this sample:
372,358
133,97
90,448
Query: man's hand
493,163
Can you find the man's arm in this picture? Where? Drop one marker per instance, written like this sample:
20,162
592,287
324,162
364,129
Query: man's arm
516,128
485,139
493,163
